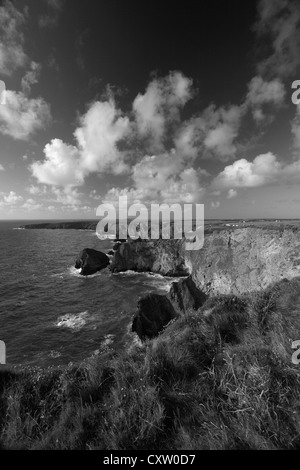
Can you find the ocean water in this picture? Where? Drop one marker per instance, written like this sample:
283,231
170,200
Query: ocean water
49,314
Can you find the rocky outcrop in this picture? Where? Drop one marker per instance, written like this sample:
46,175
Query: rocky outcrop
166,257
244,260
155,311
184,296
90,261
232,261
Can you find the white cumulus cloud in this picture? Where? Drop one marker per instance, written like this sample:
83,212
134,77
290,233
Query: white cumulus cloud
22,116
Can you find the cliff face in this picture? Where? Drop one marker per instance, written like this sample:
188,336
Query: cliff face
244,260
231,261
166,257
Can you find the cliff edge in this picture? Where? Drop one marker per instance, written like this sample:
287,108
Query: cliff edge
230,262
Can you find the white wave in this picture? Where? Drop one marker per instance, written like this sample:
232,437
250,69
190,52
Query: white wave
73,321
128,273
76,272
154,275
18,228
58,275
165,288
108,339
54,354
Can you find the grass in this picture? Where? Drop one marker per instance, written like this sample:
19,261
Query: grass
217,378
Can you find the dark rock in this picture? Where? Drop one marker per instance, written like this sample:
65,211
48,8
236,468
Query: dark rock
90,261
184,295
166,257
116,246
154,312
110,253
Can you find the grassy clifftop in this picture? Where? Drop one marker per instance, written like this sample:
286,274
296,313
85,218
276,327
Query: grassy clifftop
217,378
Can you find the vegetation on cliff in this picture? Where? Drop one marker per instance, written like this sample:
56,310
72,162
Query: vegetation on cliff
220,377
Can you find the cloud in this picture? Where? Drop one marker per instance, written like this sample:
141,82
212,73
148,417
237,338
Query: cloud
222,127
12,55
36,190
110,142
51,19
244,174
96,150
52,62
262,93
22,116
158,108
280,20
162,178
264,170
231,193
9,199
79,45
67,196
94,195
2,168
31,205
185,188
165,177
102,128
215,205
31,77
61,165
55,4
296,129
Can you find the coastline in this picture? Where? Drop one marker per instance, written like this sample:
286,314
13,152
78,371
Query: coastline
218,343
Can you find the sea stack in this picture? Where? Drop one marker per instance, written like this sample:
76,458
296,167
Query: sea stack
90,261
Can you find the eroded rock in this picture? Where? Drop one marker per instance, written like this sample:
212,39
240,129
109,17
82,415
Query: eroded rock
90,261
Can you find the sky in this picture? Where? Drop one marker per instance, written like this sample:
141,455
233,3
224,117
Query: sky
162,102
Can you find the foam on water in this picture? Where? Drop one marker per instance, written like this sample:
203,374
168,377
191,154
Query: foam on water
73,321
108,339
54,354
76,272
128,273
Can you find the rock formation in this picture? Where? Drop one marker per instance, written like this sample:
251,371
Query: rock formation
231,261
245,260
90,261
184,295
155,311
166,257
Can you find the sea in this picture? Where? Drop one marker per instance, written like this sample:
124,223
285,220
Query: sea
49,313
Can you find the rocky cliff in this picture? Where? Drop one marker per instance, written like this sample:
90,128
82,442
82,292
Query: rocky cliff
231,261
166,257
155,311
90,261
